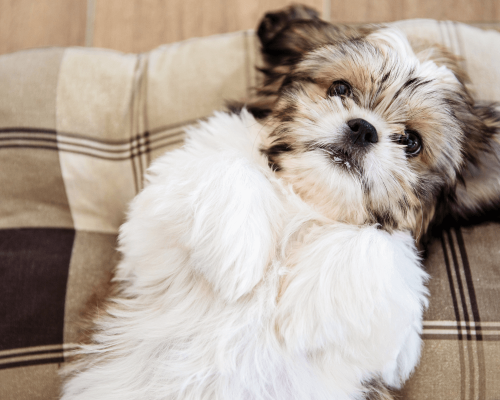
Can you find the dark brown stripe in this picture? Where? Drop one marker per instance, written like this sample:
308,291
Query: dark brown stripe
151,133
136,143
454,337
134,171
483,328
452,285
53,360
457,316
133,128
57,142
55,148
459,283
147,143
28,130
29,353
468,345
147,132
475,313
468,280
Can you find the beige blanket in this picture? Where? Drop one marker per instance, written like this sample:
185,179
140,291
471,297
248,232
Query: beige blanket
78,128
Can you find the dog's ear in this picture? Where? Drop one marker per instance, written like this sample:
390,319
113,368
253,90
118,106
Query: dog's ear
285,37
477,196
288,34
281,34
274,22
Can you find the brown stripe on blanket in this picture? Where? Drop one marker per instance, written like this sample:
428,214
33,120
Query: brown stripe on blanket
35,355
137,175
479,351
457,314
163,132
108,150
468,279
451,283
468,332
459,283
448,330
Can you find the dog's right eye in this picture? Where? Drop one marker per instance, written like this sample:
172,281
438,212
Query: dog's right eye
411,139
340,88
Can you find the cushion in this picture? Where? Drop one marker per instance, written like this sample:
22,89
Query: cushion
78,128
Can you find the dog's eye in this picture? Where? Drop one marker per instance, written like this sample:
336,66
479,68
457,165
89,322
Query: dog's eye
412,141
340,88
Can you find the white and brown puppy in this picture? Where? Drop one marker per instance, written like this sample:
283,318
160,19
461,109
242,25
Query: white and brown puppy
273,256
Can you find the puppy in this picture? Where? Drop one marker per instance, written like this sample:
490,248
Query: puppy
274,255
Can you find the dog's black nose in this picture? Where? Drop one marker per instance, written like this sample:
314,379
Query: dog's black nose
362,132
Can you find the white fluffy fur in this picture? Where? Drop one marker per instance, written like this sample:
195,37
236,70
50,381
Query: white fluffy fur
235,288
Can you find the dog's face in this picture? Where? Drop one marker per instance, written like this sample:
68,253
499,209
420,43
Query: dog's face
362,127
367,132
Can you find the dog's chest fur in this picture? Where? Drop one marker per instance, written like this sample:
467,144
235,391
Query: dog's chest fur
231,287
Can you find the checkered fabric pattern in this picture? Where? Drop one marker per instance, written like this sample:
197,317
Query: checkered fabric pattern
78,128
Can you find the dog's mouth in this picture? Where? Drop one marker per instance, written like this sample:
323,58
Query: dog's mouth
340,157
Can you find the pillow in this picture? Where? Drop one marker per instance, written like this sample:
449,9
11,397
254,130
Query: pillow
78,128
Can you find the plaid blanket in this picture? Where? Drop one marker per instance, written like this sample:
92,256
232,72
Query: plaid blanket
78,128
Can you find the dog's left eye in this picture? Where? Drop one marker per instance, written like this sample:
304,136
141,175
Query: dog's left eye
412,141
340,88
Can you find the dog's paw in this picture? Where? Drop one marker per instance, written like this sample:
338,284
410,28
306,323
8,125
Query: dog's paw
234,213
274,22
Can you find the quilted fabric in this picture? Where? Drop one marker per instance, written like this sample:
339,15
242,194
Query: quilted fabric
78,128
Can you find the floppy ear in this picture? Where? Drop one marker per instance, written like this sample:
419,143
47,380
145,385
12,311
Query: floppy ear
285,37
274,22
287,34
477,194
477,197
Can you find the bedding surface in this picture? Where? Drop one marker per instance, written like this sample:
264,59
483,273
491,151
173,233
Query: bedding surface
78,128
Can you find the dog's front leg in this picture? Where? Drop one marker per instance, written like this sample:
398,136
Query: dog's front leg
352,302
215,209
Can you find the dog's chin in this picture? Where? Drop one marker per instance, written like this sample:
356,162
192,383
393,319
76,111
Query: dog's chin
329,182
339,184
